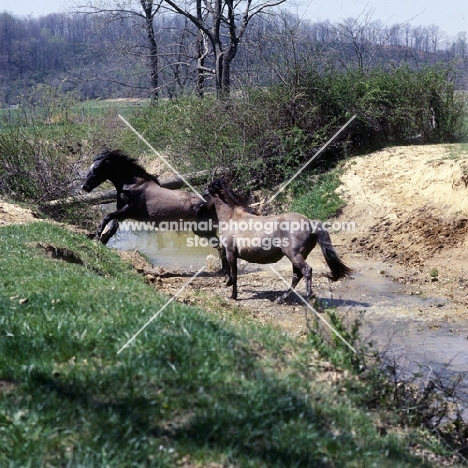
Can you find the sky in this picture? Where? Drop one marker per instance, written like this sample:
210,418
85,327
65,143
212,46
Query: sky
450,15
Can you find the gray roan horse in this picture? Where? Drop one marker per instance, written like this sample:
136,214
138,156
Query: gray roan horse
267,239
141,197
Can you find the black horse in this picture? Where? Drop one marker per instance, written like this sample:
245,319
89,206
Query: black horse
141,197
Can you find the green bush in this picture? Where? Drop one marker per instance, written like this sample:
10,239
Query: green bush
252,135
315,196
264,135
46,146
33,169
391,106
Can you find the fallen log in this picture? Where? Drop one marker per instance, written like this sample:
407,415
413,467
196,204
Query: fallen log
109,196
97,198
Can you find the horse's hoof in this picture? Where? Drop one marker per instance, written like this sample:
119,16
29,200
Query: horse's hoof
229,282
280,300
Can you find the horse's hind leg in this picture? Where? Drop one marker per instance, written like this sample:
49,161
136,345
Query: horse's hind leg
296,277
308,277
300,270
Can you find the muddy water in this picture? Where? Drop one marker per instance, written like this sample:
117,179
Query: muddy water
420,332
170,249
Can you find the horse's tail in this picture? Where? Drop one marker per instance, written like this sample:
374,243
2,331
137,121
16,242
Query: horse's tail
336,265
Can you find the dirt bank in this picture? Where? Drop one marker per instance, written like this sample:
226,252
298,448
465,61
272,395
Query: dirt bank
410,209
14,214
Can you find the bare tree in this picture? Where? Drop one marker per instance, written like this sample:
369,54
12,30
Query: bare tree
361,41
223,23
460,46
145,10
364,36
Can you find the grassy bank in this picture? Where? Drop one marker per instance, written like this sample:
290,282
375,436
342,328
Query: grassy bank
192,389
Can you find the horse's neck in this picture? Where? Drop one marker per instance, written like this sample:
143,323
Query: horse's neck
120,180
223,210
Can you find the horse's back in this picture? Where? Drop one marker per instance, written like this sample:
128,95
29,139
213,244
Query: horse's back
162,203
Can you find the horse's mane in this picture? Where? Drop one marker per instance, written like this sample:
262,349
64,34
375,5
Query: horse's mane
232,198
130,164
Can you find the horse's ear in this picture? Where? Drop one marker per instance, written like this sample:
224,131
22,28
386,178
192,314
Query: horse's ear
214,175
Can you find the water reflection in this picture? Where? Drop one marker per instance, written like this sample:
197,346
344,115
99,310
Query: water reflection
172,249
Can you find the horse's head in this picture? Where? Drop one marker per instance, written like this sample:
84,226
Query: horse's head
116,166
97,173
222,190
216,188
205,205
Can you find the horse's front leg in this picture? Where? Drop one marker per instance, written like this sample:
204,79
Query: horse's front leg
115,215
232,260
224,263
111,230
213,239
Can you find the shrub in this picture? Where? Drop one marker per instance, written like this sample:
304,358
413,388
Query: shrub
264,135
45,147
32,169
391,106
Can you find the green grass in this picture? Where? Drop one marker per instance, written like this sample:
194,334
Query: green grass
192,384
315,196
458,151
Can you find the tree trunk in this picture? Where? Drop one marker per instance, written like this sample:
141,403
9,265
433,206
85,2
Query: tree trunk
200,83
153,48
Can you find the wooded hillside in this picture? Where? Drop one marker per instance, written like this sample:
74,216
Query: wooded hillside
104,54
